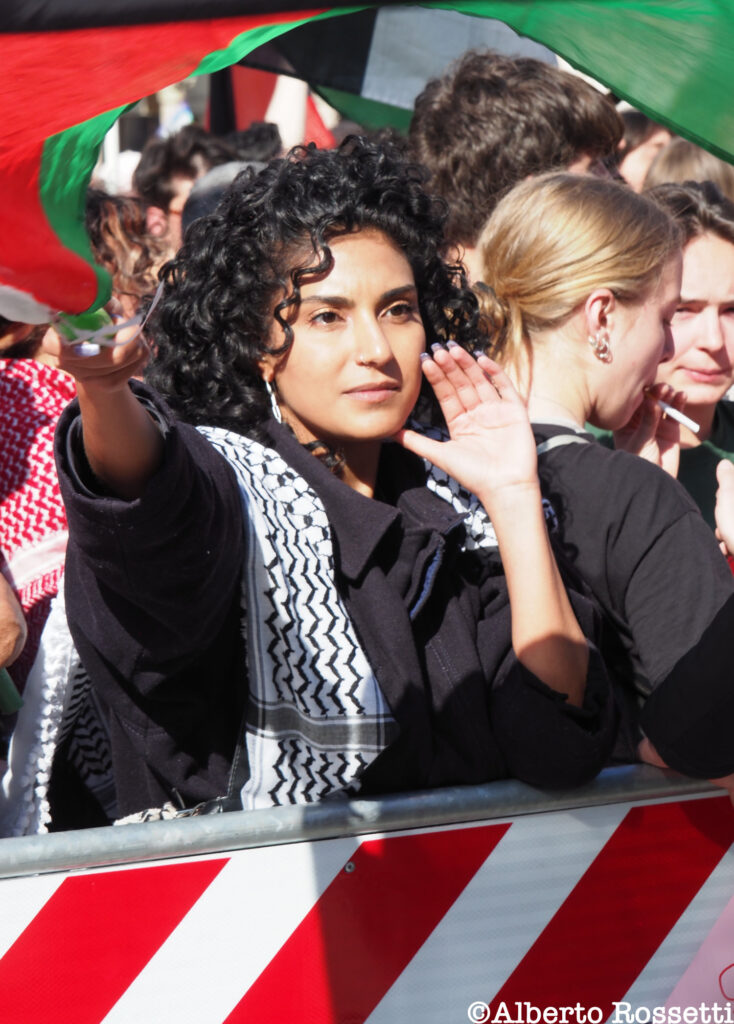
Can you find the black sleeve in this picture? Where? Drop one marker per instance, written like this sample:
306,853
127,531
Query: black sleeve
544,740
153,602
680,606
640,543
689,717
158,573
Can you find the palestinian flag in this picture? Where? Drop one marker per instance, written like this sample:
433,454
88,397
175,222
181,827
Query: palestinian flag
70,67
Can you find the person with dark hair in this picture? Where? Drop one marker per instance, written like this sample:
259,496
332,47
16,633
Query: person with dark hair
209,189
167,171
493,120
303,598
642,141
260,142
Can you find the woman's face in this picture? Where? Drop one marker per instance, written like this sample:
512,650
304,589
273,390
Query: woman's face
702,360
352,373
640,339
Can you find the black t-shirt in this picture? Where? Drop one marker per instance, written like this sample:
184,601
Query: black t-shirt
637,540
697,469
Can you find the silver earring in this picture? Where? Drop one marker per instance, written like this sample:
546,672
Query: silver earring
277,414
600,346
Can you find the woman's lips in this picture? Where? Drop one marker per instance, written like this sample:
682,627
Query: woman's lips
707,376
373,392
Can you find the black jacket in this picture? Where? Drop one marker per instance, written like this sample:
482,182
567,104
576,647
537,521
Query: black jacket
152,589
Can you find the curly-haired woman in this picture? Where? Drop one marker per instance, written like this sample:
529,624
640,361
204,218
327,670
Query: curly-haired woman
301,579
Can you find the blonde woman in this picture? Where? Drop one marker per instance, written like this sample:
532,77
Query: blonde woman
582,279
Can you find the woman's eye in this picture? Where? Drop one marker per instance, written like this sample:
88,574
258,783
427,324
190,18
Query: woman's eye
326,316
401,310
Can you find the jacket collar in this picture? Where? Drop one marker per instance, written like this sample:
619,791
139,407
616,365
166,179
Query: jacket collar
359,523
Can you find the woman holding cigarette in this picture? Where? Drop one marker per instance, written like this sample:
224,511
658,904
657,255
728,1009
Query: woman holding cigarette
701,363
579,298
294,601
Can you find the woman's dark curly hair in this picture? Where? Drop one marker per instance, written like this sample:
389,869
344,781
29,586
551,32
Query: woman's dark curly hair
243,265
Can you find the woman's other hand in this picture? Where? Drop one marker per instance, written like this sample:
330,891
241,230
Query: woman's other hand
650,433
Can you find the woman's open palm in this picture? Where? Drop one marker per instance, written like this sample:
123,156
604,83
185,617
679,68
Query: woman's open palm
491,444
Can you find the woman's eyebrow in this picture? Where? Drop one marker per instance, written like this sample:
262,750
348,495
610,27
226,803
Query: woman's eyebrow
327,300
394,293
343,302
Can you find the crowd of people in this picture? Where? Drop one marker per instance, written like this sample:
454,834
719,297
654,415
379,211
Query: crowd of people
391,490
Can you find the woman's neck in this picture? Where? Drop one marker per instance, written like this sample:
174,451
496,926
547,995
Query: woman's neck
543,409
361,462
555,384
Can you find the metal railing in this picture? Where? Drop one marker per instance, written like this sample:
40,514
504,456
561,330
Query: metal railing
208,834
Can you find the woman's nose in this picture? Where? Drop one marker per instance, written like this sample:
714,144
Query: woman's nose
371,345
712,335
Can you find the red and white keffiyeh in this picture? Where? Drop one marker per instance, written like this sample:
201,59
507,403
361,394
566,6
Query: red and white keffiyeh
33,528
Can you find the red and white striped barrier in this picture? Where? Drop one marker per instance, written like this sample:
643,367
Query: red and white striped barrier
600,911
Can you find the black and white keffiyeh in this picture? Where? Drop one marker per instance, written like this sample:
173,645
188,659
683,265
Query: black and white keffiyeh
316,716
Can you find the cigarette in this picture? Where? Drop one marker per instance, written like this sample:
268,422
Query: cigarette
679,416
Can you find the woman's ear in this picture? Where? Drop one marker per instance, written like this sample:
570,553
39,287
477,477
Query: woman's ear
266,366
599,309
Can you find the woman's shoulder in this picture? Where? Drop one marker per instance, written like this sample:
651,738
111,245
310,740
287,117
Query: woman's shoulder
605,480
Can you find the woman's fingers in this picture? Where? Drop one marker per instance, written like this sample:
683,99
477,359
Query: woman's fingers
456,366
500,382
462,383
445,392
420,445
725,475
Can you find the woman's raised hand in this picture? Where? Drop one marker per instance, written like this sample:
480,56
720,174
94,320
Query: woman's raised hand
491,450
123,445
110,367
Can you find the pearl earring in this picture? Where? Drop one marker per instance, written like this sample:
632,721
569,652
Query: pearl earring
600,346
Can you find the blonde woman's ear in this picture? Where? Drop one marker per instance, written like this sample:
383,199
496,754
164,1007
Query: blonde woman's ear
599,308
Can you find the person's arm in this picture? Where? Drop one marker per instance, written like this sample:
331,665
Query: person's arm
13,630
154,512
492,453
122,444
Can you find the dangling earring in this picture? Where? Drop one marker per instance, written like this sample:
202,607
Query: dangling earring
277,414
600,346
